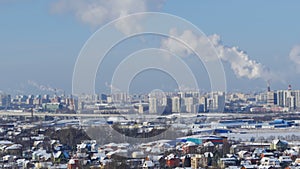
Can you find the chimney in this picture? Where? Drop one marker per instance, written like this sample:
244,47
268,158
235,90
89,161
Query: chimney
268,84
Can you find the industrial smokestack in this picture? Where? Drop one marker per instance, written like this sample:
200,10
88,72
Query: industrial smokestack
268,85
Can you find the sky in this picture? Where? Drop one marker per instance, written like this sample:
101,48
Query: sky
257,41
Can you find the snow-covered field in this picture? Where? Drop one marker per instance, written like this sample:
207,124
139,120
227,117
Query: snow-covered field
292,134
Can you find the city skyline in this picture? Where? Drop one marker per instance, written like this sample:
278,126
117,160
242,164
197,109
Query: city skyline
41,41
149,84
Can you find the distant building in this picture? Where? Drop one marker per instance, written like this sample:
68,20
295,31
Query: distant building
279,145
120,97
52,107
203,104
153,105
176,104
196,161
217,102
5,100
103,97
288,98
167,105
189,103
271,98
297,98
261,98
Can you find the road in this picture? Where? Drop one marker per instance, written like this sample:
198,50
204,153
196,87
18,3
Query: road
7,113
184,115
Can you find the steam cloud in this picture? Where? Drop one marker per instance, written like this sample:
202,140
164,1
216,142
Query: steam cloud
96,13
43,87
239,61
295,54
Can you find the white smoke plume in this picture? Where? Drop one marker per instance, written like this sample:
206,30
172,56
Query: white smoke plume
295,54
112,88
45,88
239,61
99,12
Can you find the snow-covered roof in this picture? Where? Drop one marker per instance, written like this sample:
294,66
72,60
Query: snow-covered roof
276,141
170,156
189,143
110,153
42,154
54,141
71,161
57,154
156,158
37,142
82,146
98,155
208,154
155,150
5,142
208,144
148,164
40,137
14,147
61,166
138,153
121,151
108,149
111,145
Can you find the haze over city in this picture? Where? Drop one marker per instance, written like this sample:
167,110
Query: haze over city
256,41
149,84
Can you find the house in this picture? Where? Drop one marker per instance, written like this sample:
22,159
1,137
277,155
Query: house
196,161
296,162
138,154
269,162
186,161
60,156
73,164
4,144
207,159
41,155
121,152
8,158
27,154
135,163
244,154
279,145
89,146
266,154
43,164
285,160
148,164
257,152
15,149
24,163
189,148
59,166
172,161
38,144
203,139
209,146
292,153
247,166
226,162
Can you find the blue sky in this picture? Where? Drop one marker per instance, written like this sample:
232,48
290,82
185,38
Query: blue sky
40,40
